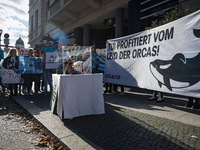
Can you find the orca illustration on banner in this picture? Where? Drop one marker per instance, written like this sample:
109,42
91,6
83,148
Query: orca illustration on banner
179,72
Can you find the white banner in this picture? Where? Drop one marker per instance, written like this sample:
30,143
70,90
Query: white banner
8,76
166,58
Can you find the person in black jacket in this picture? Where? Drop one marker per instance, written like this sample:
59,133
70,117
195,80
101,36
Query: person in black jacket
11,62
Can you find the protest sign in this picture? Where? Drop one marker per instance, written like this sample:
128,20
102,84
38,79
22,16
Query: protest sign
23,52
164,59
101,52
50,61
101,60
80,56
78,66
59,62
30,65
9,76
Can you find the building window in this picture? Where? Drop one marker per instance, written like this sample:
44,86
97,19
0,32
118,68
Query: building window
36,19
31,23
47,9
51,2
54,7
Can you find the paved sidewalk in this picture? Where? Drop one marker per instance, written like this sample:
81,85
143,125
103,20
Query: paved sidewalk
130,122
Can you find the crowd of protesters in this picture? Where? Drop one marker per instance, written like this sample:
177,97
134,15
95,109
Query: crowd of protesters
41,81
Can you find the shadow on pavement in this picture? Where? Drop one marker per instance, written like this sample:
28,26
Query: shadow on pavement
122,129
139,99
41,100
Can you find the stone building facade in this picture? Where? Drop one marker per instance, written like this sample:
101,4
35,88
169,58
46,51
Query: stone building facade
88,22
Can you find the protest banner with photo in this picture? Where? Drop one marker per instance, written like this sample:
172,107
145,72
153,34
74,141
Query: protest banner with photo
59,62
80,56
9,76
101,52
50,60
30,65
166,58
101,61
78,66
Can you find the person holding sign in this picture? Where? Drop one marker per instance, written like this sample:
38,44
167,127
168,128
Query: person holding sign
47,76
28,77
11,62
95,59
36,76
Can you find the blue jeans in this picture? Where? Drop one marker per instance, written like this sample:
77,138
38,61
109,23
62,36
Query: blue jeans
47,79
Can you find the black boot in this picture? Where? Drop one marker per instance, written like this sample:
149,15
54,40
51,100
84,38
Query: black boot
190,102
196,104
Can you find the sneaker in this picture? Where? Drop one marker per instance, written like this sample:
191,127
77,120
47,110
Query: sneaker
152,98
160,99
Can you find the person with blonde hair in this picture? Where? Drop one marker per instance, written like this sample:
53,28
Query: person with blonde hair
11,62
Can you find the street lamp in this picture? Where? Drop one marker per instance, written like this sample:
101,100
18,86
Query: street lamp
47,40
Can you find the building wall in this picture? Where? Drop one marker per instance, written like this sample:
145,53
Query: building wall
88,15
43,27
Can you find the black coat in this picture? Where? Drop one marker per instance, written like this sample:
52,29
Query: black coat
7,62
